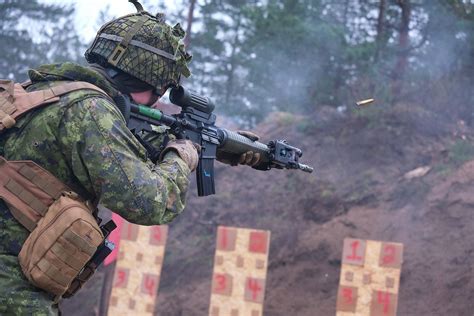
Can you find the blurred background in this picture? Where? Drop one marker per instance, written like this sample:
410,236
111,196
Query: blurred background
399,170
254,57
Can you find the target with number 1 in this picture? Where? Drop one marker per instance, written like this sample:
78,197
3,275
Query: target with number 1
240,268
370,278
138,269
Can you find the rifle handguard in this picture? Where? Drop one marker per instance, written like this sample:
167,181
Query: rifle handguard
234,143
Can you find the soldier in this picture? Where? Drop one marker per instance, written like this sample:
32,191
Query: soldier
83,140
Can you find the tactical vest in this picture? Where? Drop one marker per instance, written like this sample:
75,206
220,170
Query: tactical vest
66,244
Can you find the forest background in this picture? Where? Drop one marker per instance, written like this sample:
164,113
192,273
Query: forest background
253,57
399,170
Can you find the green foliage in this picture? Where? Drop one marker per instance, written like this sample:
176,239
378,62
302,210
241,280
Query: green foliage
363,191
372,114
253,57
285,119
306,125
411,192
461,151
33,33
292,55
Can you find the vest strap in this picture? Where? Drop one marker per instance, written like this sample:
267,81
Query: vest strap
15,101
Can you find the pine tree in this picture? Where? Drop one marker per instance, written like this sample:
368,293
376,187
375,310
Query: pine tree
294,55
33,33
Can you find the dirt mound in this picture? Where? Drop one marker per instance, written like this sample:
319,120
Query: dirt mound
359,189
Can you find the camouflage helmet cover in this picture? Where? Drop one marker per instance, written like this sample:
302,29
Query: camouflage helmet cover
143,46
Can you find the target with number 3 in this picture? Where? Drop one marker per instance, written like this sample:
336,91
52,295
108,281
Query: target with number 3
138,269
240,268
370,278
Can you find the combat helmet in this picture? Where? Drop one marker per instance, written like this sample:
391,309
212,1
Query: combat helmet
144,46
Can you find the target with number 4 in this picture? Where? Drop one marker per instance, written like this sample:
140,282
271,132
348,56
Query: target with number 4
370,278
138,269
240,269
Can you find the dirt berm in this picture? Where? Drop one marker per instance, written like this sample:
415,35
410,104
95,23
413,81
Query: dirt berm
362,187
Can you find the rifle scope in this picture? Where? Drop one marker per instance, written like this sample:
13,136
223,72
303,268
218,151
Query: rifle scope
186,98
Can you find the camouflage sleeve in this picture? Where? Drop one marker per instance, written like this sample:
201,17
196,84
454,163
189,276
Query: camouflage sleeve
109,162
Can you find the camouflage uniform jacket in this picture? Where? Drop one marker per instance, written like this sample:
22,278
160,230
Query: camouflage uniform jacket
83,140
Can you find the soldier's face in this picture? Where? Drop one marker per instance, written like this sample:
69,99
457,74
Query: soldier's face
145,97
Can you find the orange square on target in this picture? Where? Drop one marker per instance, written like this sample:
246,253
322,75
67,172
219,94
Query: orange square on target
370,278
240,270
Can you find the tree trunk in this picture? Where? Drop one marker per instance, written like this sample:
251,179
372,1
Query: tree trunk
403,48
231,72
380,30
340,77
187,38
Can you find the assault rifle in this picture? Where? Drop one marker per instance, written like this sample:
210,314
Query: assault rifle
196,122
